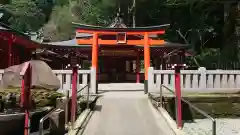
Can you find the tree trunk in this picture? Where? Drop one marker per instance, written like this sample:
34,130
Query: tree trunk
230,31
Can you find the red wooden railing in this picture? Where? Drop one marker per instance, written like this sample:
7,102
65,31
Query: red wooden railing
25,102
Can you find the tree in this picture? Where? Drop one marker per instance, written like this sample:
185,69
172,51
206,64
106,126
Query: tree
201,23
27,16
96,12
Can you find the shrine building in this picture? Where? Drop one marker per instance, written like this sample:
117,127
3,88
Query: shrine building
118,54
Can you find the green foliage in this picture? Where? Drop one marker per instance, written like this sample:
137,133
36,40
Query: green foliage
41,97
3,2
200,23
27,15
61,2
96,12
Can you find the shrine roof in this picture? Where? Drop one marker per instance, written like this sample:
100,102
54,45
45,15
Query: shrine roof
73,43
117,23
7,32
4,27
64,44
116,26
170,44
120,29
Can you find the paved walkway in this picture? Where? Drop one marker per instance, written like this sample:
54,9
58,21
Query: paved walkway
126,113
120,86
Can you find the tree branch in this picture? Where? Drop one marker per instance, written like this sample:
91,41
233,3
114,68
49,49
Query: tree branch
181,35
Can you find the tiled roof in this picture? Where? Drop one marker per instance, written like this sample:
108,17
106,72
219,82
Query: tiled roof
71,42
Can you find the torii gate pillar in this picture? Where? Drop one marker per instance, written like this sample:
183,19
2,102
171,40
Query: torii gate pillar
94,69
146,61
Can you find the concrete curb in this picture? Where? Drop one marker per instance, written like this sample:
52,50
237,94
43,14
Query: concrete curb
168,119
82,121
79,122
171,122
81,130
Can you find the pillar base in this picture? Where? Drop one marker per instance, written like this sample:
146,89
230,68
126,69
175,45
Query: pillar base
93,81
145,86
97,87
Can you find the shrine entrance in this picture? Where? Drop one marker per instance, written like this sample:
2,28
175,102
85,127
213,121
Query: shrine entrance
117,54
114,69
117,39
116,64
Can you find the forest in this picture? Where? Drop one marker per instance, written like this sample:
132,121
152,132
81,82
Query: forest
210,27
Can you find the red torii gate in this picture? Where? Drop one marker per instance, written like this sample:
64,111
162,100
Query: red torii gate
118,37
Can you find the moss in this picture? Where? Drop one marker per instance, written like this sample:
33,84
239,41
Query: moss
40,97
218,105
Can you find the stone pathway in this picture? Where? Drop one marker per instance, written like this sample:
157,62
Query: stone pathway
126,113
121,87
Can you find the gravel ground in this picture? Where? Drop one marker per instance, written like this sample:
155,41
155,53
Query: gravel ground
204,127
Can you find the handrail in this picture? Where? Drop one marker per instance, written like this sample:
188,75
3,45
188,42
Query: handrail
47,116
88,93
191,105
87,85
66,102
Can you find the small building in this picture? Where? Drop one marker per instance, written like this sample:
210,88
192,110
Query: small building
15,47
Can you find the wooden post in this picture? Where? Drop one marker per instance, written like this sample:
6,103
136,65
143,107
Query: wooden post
14,56
138,68
17,59
95,60
131,66
163,60
178,100
74,94
146,61
25,101
157,63
10,42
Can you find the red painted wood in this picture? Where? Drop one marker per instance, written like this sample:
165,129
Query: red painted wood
27,123
25,101
21,40
10,43
138,64
178,96
14,55
74,94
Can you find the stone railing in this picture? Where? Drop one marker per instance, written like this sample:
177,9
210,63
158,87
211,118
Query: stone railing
196,80
65,78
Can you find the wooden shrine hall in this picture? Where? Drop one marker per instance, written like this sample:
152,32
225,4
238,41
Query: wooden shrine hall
15,47
117,53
